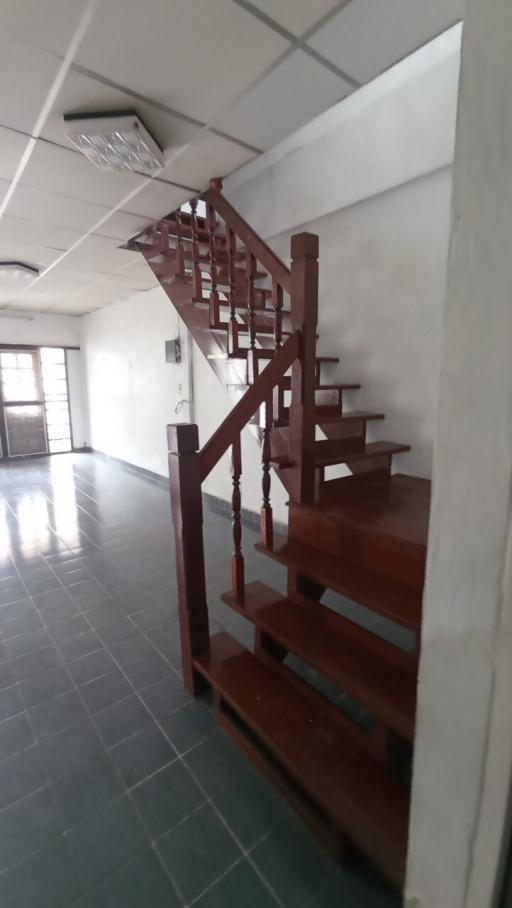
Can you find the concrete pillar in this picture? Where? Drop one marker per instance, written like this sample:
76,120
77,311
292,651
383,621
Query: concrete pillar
464,727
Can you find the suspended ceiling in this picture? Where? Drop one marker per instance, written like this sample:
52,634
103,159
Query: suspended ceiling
216,81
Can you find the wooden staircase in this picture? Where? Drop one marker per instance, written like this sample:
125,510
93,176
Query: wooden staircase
362,535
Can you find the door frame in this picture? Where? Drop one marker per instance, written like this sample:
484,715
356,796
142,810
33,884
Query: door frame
4,454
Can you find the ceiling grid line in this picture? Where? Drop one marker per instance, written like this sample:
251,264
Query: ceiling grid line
216,83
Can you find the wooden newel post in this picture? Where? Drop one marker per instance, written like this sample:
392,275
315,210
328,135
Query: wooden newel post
304,317
187,518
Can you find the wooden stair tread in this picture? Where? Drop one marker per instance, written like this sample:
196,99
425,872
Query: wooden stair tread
332,415
330,452
323,639
303,734
398,507
394,600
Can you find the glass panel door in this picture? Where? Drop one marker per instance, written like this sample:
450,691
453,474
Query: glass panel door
22,403
55,392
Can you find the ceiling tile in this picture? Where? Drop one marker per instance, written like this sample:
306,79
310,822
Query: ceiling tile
60,221
122,226
31,253
72,277
194,57
68,173
49,24
210,156
157,199
57,210
81,94
298,16
29,73
368,36
285,108
101,254
21,230
12,146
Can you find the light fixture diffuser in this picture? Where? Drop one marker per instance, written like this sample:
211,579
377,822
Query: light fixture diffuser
18,270
115,141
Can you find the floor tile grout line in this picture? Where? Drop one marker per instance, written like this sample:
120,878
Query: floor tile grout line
213,806
124,789
78,552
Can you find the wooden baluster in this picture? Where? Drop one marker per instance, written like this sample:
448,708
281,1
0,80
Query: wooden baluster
304,316
197,277
266,524
233,324
277,303
252,357
187,517
164,238
214,295
237,559
180,252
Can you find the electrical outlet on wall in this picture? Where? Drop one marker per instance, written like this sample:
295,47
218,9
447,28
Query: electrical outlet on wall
179,389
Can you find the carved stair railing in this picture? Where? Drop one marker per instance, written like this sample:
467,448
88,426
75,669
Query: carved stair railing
189,466
215,266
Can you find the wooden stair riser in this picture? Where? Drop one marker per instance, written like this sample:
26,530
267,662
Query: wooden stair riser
392,599
380,678
309,742
389,556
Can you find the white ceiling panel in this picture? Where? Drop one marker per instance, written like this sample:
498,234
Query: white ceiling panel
121,225
33,232
49,24
51,209
81,94
274,108
298,16
157,199
210,156
21,306
68,173
73,277
30,253
101,254
194,57
368,36
26,75
12,146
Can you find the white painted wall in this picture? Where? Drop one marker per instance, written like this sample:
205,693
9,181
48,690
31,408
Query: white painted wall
39,329
372,176
463,754
132,391
55,330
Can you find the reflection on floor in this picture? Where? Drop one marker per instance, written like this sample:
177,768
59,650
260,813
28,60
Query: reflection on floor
115,789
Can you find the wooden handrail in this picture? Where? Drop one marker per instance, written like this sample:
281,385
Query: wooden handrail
252,242
257,394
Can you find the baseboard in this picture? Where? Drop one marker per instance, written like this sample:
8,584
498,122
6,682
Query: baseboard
215,504
154,478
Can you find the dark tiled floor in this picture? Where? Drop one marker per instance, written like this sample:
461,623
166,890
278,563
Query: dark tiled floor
116,790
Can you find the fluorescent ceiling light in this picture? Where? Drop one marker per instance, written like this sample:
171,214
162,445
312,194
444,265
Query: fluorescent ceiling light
115,141
18,271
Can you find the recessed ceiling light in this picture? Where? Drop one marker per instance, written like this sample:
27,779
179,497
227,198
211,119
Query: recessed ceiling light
18,270
115,141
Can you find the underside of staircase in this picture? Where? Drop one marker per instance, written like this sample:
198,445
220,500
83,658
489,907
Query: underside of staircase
361,534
